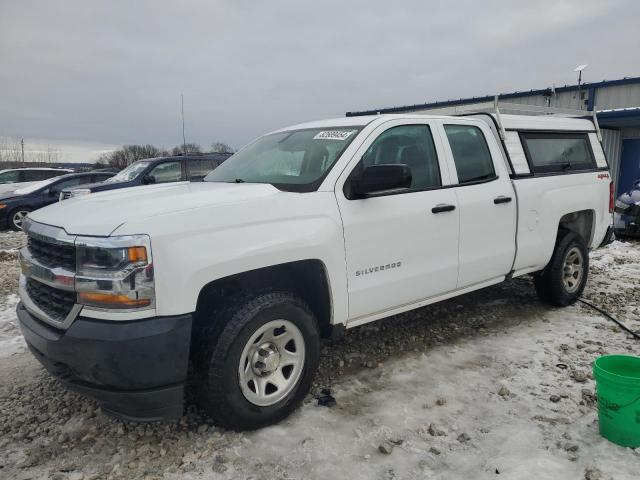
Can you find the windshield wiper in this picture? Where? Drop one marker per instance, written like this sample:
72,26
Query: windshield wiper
239,180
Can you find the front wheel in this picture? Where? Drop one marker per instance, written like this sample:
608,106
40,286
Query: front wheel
562,281
16,218
259,366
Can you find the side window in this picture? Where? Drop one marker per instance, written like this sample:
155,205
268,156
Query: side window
30,176
35,175
44,174
470,153
557,152
411,145
100,177
200,167
167,172
11,176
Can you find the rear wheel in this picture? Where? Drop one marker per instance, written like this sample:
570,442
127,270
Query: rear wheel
16,218
257,360
562,281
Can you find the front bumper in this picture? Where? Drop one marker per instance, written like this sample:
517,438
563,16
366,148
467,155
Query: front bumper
136,370
4,219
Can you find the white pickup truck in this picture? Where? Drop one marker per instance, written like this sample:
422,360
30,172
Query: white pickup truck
231,283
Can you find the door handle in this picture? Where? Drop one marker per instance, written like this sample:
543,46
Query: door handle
501,199
442,208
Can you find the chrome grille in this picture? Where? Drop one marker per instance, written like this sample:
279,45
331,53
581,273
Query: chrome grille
54,302
52,254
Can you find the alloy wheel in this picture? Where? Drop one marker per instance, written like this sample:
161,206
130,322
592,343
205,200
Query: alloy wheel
18,218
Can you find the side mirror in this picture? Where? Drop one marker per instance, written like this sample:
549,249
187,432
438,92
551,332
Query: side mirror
377,179
149,180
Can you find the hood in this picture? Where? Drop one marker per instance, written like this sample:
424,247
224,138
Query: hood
99,186
8,196
10,187
101,213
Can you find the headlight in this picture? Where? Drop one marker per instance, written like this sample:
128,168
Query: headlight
78,192
115,272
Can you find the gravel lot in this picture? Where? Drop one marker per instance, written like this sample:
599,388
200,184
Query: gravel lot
468,388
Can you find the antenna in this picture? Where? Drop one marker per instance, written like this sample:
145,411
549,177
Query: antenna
579,69
184,141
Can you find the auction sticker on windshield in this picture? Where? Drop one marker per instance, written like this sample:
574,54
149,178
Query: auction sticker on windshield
333,135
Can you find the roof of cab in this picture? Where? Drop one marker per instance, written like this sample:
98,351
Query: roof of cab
509,122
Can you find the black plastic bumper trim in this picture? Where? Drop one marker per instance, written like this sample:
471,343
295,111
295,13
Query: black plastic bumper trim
136,370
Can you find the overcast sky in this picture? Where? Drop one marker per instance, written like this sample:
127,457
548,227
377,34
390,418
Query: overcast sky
85,75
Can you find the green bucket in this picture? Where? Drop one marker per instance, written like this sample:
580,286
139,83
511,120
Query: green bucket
618,386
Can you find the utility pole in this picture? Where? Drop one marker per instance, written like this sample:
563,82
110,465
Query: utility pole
22,146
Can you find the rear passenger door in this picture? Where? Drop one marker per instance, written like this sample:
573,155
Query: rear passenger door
401,246
486,202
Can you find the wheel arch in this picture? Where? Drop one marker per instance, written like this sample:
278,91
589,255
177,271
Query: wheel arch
306,278
581,222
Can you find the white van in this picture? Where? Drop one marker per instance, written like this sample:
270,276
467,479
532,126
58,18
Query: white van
12,179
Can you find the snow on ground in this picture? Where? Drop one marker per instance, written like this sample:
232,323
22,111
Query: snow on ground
620,261
11,342
495,415
10,240
492,383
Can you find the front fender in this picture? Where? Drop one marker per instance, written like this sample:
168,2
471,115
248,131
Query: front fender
202,245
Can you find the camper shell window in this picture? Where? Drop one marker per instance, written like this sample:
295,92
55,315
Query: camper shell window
550,152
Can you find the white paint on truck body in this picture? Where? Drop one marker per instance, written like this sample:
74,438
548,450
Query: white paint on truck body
382,255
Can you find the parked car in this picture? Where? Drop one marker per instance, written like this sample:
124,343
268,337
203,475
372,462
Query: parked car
15,178
155,170
15,206
626,218
304,232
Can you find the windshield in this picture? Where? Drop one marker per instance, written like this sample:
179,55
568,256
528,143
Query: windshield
295,160
9,177
35,186
129,173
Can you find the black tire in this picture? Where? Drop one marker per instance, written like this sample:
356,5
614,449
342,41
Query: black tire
550,284
218,355
12,225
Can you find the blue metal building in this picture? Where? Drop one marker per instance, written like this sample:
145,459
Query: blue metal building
617,103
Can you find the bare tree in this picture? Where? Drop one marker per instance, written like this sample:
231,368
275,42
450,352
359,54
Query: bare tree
221,147
128,154
11,152
186,149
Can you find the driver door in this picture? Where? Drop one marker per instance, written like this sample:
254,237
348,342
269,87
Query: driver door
401,246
